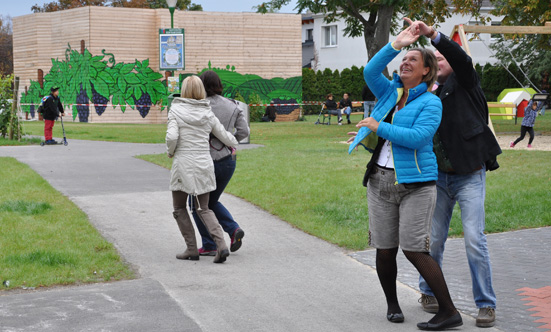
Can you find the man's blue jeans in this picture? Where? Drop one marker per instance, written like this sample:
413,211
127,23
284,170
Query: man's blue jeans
223,171
469,191
368,108
347,110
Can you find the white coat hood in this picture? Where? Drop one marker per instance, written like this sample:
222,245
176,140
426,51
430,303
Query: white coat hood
192,111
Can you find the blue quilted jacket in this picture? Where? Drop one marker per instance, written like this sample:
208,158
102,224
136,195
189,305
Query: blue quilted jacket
411,129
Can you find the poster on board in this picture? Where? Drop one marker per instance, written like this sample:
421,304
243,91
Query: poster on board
171,49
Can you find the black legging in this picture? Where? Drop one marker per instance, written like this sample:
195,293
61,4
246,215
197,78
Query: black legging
523,131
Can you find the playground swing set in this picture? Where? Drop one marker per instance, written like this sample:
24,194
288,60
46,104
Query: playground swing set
516,101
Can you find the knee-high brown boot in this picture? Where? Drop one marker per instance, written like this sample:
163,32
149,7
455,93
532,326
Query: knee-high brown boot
186,228
210,221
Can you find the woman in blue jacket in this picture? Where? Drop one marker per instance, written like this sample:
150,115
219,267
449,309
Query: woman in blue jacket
401,176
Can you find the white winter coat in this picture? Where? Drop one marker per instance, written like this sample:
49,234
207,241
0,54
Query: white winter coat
190,122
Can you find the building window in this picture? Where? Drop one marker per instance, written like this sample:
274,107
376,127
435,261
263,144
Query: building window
495,36
310,35
330,36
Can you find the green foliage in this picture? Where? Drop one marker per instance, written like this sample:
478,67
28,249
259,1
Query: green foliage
495,78
256,112
375,20
534,50
316,85
6,94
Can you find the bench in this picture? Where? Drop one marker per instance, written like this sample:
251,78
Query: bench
355,105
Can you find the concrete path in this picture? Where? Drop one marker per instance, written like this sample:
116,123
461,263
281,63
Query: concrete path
281,280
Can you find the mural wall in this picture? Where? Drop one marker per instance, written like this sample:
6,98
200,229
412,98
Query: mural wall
87,82
114,76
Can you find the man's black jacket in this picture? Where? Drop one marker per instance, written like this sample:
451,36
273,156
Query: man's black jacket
464,130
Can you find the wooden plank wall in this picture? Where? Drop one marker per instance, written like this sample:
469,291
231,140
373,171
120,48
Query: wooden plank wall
266,45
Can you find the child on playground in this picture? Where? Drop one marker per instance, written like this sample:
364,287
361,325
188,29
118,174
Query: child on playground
527,125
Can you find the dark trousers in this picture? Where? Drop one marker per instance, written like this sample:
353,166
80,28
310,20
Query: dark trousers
223,171
523,131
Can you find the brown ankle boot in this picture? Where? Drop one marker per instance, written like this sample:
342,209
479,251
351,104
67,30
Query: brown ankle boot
188,232
210,221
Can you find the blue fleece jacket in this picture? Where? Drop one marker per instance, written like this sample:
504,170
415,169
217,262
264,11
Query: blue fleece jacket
412,128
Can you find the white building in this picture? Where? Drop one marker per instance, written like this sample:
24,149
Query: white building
325,46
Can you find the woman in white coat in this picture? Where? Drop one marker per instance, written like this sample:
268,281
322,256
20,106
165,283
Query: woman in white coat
190,122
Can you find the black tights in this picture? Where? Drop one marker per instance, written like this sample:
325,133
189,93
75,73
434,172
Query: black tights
523,131
387,271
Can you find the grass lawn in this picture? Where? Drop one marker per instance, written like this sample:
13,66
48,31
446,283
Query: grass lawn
111,132
24,141
304,175
46,239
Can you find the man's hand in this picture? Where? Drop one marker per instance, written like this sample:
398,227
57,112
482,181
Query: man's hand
423,28
370,123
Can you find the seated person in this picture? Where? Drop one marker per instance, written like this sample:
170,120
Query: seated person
332,107
346,106
270,114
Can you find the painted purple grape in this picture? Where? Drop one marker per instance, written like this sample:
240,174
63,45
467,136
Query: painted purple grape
32,111
143,104
285,109
99,100
83,111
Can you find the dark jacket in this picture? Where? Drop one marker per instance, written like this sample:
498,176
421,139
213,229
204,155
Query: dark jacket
345,103
271,113
331,104
468,141
367,95
52,108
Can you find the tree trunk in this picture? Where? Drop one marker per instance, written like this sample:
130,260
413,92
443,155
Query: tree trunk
377,35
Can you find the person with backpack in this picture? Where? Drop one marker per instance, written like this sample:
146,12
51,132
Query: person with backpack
51,108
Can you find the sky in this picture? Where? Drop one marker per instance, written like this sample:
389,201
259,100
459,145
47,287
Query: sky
15,8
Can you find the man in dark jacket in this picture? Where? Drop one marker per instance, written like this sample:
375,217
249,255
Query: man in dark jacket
465,148
52,107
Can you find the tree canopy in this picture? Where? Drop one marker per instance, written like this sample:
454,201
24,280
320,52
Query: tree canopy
533,51
6,46
376,19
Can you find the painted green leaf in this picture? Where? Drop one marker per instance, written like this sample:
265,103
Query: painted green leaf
101,87
137,92
121,83
97,58
145,63
127,68
99,65
128,94
161,88
154,76
93,72
131,78
104,75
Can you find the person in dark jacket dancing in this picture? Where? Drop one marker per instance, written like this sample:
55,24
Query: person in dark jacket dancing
465,148
52,109
233,120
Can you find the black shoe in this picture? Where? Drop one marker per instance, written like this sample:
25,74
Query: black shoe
238,234
349,122
395,318
453,321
